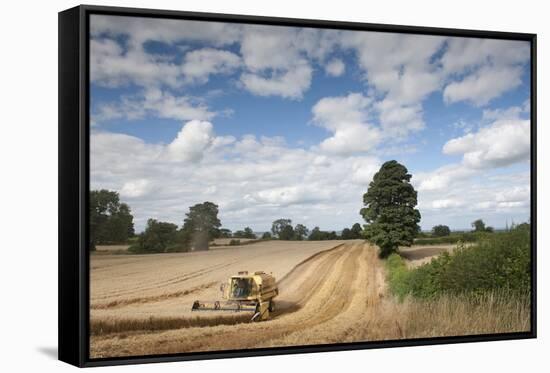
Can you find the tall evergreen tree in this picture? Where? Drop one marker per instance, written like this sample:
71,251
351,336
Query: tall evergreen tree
390,213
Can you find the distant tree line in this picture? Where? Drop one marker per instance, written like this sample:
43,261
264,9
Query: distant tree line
282,229
442,234
111,222
477,225
200,226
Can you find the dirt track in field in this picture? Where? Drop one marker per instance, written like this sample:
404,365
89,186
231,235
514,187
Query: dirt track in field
326,298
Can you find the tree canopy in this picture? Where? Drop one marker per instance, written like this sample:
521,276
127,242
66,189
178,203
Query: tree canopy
356,231
246,233
353,233
300,232
225,233
346,234
286,233
279,226
158,237
441,231
319,235
110,220
478,225
390,213
201,225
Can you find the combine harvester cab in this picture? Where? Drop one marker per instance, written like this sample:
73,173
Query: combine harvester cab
245,292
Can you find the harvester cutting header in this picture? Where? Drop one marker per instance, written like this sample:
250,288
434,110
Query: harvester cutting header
245,292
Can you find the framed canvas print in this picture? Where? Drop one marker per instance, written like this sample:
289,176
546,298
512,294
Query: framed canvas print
234,186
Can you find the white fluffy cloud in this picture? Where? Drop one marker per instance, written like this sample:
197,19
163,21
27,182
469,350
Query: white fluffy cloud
287,83
335,67
201,63
465,54
135,188
398,119
402,75
352,139
289,195
483,85
441,178
191,142
482,185
278,60
143,30
269,47
501,144
347,119
518,194
393,67
446,203
153,102
458,195
480,70
112,66
364,169
275,60
337,112
513,112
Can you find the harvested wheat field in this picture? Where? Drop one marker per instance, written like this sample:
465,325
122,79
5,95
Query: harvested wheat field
330,292
417,255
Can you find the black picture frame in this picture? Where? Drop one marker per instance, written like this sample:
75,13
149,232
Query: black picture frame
74,128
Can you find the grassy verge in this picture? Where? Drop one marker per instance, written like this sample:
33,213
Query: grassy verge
453,315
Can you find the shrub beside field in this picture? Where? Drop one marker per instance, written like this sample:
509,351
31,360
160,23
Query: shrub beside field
499,261
486,283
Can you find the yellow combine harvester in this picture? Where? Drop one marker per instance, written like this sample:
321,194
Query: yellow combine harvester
245,292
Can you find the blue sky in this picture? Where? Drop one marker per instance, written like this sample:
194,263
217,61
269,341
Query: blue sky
272,122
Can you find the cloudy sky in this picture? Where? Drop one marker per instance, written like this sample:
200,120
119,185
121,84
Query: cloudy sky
271,122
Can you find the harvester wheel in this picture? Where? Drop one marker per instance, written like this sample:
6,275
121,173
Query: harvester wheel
271,307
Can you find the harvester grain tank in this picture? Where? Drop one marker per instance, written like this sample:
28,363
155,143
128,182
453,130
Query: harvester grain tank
245,292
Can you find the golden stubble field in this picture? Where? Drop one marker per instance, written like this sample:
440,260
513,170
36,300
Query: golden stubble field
330,292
